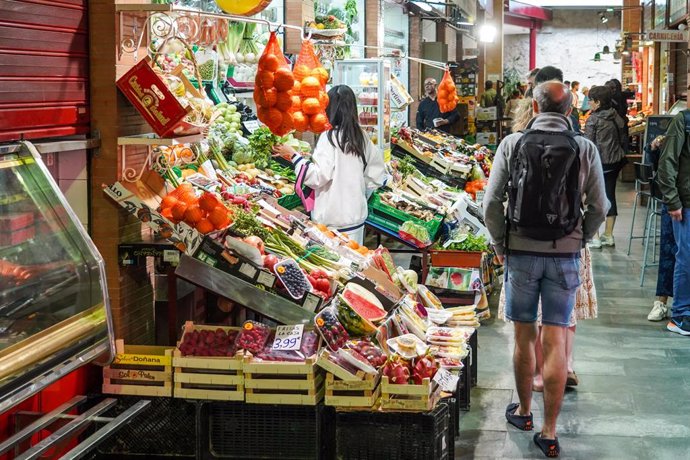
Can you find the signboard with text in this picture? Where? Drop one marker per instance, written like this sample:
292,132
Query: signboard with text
659,35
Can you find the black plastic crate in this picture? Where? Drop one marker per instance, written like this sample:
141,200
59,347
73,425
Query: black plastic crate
394,435
253,431
166,428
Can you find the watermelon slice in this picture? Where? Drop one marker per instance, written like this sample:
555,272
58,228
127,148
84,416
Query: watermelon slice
364,302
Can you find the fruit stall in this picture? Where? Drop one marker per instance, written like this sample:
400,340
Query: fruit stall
321,332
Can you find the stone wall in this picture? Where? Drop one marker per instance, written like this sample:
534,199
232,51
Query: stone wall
569,42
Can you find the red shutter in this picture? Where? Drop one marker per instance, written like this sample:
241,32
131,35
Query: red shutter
44,68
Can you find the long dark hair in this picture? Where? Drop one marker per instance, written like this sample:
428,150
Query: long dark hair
342,114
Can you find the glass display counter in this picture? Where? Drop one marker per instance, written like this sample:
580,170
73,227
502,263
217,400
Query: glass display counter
54,309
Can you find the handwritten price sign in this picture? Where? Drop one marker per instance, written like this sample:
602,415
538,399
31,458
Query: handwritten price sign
447,381
288,337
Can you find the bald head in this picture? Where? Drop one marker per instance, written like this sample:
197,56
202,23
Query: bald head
552,97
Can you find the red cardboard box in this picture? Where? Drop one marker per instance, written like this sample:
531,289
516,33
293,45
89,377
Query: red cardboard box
151,97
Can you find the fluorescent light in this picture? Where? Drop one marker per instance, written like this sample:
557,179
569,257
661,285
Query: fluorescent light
464,23
423,5
487,33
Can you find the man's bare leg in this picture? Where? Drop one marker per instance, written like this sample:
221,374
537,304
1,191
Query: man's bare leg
524,362
555,374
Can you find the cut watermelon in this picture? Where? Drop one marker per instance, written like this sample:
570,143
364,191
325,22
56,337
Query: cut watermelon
364,302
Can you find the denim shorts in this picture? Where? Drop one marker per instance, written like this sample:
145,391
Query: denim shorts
554,280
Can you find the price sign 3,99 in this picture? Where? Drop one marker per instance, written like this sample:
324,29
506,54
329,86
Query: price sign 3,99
288,337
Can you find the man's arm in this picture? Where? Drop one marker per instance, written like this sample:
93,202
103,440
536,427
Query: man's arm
668,163
453,116
595,203
495,196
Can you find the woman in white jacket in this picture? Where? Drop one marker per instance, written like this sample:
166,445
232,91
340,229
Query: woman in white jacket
344,168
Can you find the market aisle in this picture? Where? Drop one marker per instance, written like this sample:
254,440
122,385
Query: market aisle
634,378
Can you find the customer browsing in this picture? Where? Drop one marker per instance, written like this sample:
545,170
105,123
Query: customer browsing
674,180
429,115
549,173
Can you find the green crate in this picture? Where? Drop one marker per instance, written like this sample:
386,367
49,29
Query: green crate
290,202
392,218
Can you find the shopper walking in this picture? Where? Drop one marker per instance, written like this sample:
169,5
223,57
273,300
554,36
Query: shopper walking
541,246
488,99
674,180
513,105
584,108
605,128
429,115
575,88
667,244
343,169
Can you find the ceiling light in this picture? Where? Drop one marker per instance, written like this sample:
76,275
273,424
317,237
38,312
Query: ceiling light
487,33
597,57
606,50
603,18
423,5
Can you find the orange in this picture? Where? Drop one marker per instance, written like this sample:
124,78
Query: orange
322,227
262,114
271,97
352,244
296,103
310,87
274,119
301,71
178,210
321,74
168,202
323,99
205,226
300,121
264,79
319,123
284,80
193,214
167,213
286,125
311,106
296,88
208,202
187,197
284,101
219,217
269,62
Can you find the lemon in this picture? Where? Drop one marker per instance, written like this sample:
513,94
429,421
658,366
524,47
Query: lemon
320,26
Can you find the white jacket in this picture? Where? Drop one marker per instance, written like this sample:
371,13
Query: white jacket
341,183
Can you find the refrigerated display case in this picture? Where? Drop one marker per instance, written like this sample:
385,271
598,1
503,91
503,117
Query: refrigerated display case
370,81
54,309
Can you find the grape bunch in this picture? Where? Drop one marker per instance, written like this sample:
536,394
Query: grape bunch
331,330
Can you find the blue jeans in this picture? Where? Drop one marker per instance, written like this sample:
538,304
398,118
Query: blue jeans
681,274
554,280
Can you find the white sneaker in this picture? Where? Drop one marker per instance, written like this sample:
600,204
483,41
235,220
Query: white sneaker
607,241
659,311
595,243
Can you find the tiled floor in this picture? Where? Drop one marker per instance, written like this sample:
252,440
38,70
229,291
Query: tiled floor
634,392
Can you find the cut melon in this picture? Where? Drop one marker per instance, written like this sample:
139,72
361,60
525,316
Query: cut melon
364,302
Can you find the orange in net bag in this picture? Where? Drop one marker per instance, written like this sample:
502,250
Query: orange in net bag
272,86
309,92
447,94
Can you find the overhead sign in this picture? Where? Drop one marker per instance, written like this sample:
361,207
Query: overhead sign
659,35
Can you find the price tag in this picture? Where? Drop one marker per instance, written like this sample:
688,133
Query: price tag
288,337
171,256
266,278
251,125
447,381
248,270
480,197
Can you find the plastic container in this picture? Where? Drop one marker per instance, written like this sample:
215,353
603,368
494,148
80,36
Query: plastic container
360,362
293,278
408,346
369,350
253,337
438,316
450,335
446,351
330,329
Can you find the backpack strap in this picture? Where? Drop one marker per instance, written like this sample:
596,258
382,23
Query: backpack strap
686,115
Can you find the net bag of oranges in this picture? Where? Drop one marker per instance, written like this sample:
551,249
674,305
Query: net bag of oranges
447,94
274,81
309,97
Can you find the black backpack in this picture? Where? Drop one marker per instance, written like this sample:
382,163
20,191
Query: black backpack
544,196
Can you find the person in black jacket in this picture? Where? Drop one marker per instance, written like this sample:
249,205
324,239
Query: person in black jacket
429,111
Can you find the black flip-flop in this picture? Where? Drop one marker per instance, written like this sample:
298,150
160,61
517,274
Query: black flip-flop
549,447
521,422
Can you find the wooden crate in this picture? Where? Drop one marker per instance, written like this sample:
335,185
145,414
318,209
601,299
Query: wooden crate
140,370
271,382
344,393
207,377
409,397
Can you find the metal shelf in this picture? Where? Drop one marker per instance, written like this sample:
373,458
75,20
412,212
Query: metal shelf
224,284
152,139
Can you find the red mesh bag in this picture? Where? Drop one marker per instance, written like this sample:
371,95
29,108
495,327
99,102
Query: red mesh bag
273,83
447,94
309,97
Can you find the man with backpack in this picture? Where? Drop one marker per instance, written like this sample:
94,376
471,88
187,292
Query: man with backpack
674,181
552,179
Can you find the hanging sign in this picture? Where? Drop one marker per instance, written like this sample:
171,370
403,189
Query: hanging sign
659,35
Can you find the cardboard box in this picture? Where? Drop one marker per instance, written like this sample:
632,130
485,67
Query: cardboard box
486,113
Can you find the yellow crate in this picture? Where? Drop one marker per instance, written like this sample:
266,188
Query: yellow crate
409,397
346,393
270,382
217,378
140,370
